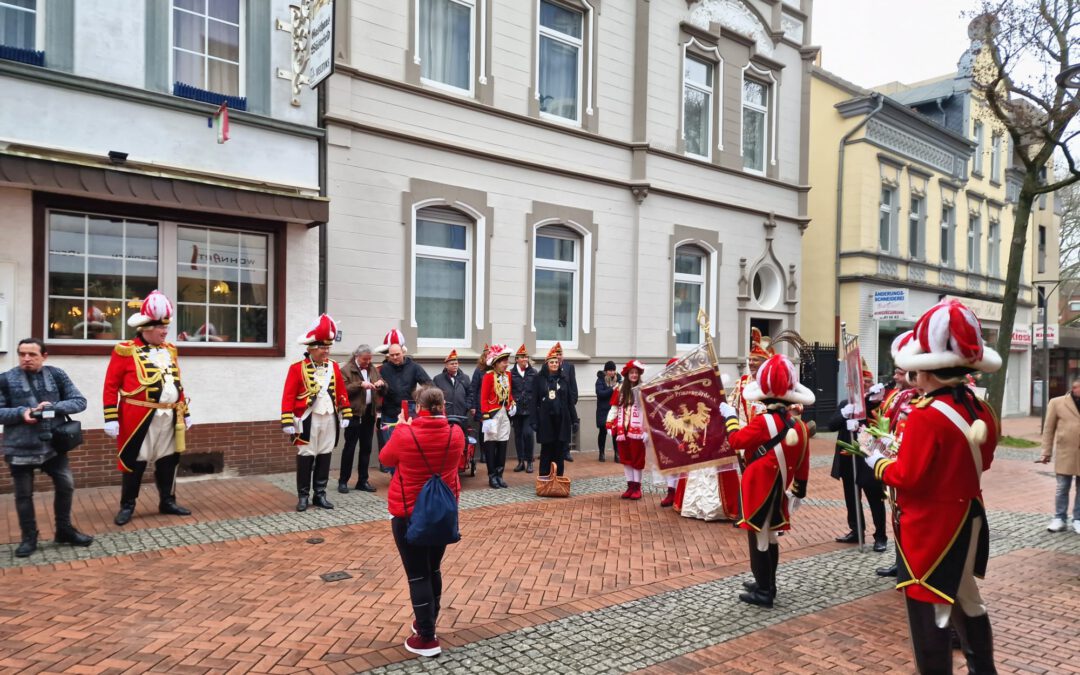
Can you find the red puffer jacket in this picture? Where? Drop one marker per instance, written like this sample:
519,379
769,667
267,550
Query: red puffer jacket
402,453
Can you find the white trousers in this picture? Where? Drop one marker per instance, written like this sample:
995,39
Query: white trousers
323,435
968,598
160,439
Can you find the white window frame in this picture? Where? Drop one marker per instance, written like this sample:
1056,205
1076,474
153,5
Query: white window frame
995,158
167,260
946,229
39,22
974,242
710,261
584,61
993,249
242,79
715,93
889,210
582,268
771,96
917,223
473,56
980,139
474,292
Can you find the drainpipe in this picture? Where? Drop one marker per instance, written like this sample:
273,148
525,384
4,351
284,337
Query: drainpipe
323,233
840,205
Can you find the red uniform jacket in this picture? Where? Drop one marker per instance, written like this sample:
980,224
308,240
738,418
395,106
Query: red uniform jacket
131,376
301,388
441,445
762,485
489,399
938,494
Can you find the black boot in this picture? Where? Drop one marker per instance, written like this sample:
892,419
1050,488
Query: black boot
165,479
69,535
929,643
129,492
499,478
322,478
304,463
774,563
529,465
976,640
28,544
520,466
602,456
889,571
493,481
761,567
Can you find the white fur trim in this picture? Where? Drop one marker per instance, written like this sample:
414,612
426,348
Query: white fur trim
912,357
798,394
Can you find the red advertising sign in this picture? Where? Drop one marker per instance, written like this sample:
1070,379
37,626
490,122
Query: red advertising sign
853,363
684,426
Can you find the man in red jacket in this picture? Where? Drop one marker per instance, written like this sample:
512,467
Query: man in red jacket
949,441
314,404
776,445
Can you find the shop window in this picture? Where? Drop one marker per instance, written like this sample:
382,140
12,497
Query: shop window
442,276
446,43
556,285
206,54
691,293
559,60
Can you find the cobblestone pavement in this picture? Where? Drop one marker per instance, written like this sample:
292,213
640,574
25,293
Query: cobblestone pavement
593,584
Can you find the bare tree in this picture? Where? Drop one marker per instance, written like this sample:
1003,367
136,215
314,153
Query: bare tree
1069,200
1038,112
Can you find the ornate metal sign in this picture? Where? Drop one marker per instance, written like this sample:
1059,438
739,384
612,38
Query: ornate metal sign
311,25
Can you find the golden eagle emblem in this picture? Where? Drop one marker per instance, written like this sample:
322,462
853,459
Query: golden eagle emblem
687,426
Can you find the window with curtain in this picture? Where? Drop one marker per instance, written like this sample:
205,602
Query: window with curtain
222,285
690,294
100,267
915,226
443,246
980,148
206,37
446,42
974,242
556,271
697,106
885,219
993,249
755,128
559,67
18,24
946,235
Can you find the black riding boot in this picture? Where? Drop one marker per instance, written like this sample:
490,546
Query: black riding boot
977,641
65,531
304,463
129,492
165,479
774,563
761,567
499,478
322,478
933,655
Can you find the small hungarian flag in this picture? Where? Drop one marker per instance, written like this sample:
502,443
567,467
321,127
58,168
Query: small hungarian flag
220,122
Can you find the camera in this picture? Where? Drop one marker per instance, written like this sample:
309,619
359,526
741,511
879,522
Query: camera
44,414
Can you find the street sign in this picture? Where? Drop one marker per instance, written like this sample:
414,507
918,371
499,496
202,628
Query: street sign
1051,334
1021,340
321,63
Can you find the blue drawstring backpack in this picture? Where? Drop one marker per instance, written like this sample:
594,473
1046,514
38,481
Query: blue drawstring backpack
434,520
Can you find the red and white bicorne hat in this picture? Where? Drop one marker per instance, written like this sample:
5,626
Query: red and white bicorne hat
496,353
156,310
900,341
949,335
778,379
633,363
322,332
394,337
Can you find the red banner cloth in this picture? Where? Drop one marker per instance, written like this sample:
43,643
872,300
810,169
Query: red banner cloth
856,395
684,426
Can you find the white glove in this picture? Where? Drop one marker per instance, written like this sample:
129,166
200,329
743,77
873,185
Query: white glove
344,424
188,423
513,410
727,410
877,392
847,411
487,426
793,503
288,431
873,457
112,429
853,425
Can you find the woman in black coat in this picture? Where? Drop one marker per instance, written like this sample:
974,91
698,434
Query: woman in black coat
857,474
552,416
606,382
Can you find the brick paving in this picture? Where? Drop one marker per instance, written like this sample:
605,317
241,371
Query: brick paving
589,584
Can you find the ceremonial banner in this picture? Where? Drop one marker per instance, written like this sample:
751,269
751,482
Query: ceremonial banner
684,428
853,377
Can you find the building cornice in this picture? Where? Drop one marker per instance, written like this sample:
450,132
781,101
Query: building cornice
941,290
875,256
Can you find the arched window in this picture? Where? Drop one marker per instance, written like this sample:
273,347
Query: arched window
690,294
556,285
442,285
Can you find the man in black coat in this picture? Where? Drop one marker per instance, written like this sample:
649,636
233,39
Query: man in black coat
859,475
606,382
521,387
454,386
402,376
570,377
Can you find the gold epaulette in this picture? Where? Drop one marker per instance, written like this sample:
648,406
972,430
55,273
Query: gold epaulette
922,401
172,350
125,348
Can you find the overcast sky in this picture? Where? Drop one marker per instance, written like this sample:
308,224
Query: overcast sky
871,42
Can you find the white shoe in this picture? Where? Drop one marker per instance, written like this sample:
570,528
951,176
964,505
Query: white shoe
1076,526
1056,525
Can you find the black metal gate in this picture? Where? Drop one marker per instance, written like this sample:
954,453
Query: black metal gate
818,371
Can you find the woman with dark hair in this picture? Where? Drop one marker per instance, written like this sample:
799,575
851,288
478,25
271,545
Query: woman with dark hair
496,408
606,382
627,426
426,444
552,417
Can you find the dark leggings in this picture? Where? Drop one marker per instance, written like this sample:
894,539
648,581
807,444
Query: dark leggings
551,452
495,452
601,440
421,565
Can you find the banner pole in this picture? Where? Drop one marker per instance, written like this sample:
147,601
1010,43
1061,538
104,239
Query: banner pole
854,467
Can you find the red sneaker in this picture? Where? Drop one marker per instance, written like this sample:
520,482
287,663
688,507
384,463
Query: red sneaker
629,491
670,499
635,492
418,645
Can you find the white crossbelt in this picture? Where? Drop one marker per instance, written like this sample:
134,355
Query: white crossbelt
770,422
949,412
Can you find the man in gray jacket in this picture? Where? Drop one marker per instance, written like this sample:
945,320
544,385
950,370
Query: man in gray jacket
34,397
